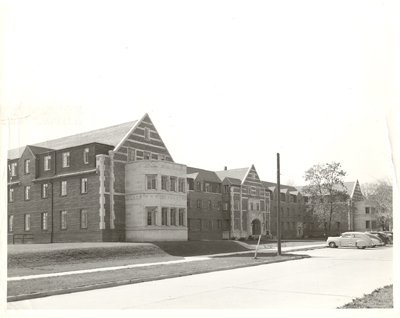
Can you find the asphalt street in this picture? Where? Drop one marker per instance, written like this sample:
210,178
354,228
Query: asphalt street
330,278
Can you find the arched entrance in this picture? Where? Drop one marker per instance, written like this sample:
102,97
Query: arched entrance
256,227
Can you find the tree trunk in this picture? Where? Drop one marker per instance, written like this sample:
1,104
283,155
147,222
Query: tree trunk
330,220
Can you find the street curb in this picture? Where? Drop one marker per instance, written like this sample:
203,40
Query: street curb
138,280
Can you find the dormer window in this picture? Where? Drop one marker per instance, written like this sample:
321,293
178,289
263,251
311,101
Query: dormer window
13,169
65,159
86,156
27,165
47,163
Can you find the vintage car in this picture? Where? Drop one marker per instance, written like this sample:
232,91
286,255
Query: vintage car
375,239
350,239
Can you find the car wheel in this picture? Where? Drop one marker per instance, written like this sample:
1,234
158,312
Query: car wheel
332,245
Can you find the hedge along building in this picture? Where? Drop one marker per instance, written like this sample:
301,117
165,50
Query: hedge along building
103,185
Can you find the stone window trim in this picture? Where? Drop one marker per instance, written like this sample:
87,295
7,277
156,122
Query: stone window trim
45,221
13,169
63,220
84,219
165,183
27,164
27,193
63,188
45,190
11,195
11,223
84,185
66,158
46,163
27,222
86,156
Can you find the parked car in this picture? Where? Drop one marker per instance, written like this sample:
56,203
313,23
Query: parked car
350,239
375,239
382,235
390,235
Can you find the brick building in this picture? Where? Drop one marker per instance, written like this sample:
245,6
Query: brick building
120,183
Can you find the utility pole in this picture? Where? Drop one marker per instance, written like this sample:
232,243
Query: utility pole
278,219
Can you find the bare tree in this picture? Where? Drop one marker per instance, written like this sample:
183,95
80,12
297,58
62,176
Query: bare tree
380,194
327,192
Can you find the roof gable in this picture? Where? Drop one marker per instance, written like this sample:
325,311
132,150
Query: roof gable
239,174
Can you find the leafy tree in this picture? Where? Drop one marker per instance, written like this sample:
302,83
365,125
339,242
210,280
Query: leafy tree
380,194
327,193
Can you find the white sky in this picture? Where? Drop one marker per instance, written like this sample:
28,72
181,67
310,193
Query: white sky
227,83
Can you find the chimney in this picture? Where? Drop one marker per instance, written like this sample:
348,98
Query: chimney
225,168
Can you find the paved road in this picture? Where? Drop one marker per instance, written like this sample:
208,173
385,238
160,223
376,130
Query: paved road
331,278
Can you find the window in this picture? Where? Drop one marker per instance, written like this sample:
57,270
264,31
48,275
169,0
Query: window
65,159
283,197
146,155
45,190
86,156
11,195
258,206
45,222
164,183
164,216
139,155
199,204
10,223
63,220
146,133
226,188
191,184
236,224
262,205
172,184
63,188
47,162
181,185
295,198
209,205
27,192
27,224
367,224
189,203
173,216
154,156
151,215
367,210
84,219
207,187
225,206
198,186
26,166
251,206
236,204
151,183
244,189
13,168
181,217
84,185
131,154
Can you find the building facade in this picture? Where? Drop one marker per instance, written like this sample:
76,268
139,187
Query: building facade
120,183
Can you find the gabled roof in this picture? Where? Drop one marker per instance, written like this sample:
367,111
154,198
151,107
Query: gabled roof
234,181
350,186
37,150
192,175
109,136
238,174
207,175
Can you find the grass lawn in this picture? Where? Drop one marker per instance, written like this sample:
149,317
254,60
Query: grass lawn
17,290
379,298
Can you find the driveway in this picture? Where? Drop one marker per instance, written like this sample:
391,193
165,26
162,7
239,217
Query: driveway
330,278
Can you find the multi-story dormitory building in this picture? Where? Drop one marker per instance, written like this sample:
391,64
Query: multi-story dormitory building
121,184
